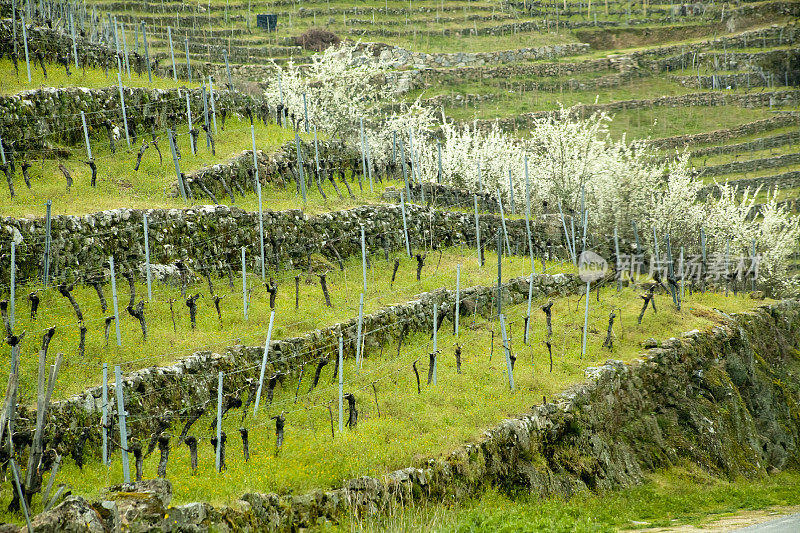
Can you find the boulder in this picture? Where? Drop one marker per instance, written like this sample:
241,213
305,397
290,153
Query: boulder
74,514
142,506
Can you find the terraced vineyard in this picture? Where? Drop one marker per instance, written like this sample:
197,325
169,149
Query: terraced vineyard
204,217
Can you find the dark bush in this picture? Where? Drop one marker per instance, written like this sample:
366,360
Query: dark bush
317,39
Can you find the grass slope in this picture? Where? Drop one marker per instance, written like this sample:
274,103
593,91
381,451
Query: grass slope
673,499
411,426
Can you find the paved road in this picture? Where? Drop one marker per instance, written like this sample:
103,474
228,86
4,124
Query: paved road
787,524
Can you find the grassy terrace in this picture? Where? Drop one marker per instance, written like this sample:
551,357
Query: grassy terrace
166,344
419,25
85,77
413,426
397,426
720,159
755,174
118,184
680,498
509,104
748,138
660,122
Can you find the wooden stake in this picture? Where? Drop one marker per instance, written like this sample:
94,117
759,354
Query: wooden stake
503,224
13,295
363,258
405,224
178,175
359,334
499,275
457,307
25,41
123,429
147,259
477,230
616,256
244,286
260,204
86,136
20,493
172,55
114,296
264,361
47,240
104,416
585,320
435,351
509,367
301,175
189,119
188,65
213,105
341,383
218,455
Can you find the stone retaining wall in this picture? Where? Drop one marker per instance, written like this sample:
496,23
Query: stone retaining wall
40,118
724,81
708,99
752,165
212,236
55,44
782,139
787,180
472,74
396,57
236,174
781,120
725,400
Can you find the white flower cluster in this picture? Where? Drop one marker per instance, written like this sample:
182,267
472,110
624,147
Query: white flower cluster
570,163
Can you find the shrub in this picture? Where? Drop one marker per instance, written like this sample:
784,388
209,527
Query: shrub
317,39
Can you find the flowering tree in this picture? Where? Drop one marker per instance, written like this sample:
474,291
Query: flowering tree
573,165
338,91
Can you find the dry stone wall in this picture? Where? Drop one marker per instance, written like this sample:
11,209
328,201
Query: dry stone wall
778,98
39,118
725,400
193,380
781,120
781,139
396,57
752,165
54,44
212,236
786,180
279,168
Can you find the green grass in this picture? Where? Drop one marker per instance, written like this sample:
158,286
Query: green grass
754,174
747,138
659,122
118,184
421,31
482,43
164,345
670,498
411,426
85,77
508,103
719,159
